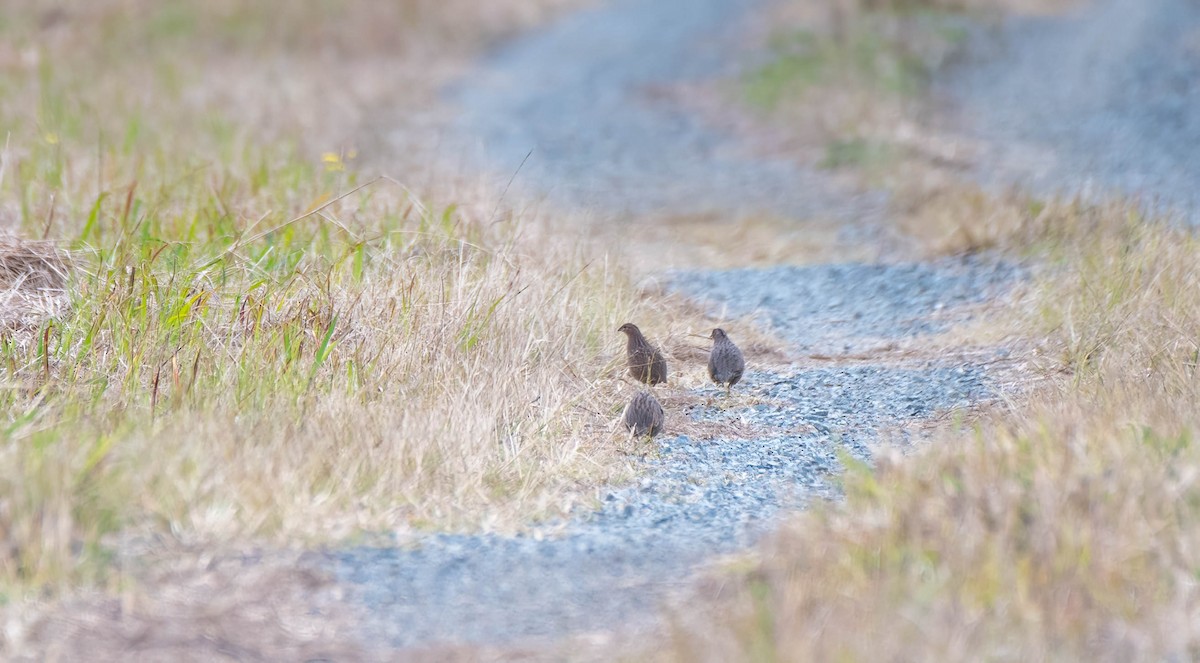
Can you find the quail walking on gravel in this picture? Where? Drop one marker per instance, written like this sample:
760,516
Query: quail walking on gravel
644,415
646,363
725,362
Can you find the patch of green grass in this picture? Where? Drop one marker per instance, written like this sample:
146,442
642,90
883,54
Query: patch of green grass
799,65
859,153
887,52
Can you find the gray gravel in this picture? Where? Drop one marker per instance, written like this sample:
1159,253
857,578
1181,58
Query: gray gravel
831,309
614,566
1107,97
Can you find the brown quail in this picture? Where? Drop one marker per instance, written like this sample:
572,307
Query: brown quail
644,415
725,362
646,363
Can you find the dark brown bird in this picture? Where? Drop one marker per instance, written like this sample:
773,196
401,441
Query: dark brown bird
646,363
725,362
644,415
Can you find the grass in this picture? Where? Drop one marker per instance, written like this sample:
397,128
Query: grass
719,241
239,334
846,89
847,67
806,60
845,73
947,216
1062,527
857,152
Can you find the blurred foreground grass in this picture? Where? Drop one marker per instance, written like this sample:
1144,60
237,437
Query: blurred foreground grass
231,333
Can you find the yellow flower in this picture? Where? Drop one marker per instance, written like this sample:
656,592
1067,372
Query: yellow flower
333,162
50,137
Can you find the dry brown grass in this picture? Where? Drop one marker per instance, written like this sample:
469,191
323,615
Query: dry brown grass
846,70
847,92
747,240
252,341
955,216
344,76
242,346
1062,528
244,608
33,279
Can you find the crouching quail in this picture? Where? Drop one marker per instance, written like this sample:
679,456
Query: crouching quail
644,415
725,362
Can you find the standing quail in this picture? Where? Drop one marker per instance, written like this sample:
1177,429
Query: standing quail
644,415
725,362
646,363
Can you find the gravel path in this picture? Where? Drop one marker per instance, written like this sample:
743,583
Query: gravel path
850,308
1106,97
587,97
615,566
581,95
1109,97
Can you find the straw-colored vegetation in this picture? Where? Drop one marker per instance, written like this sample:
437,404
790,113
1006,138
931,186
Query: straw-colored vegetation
220,329
846,91
1060,526
855,62
1063,527
843,70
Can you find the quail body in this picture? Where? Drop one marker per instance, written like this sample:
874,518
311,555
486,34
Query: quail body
646,363
725,362
644,415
